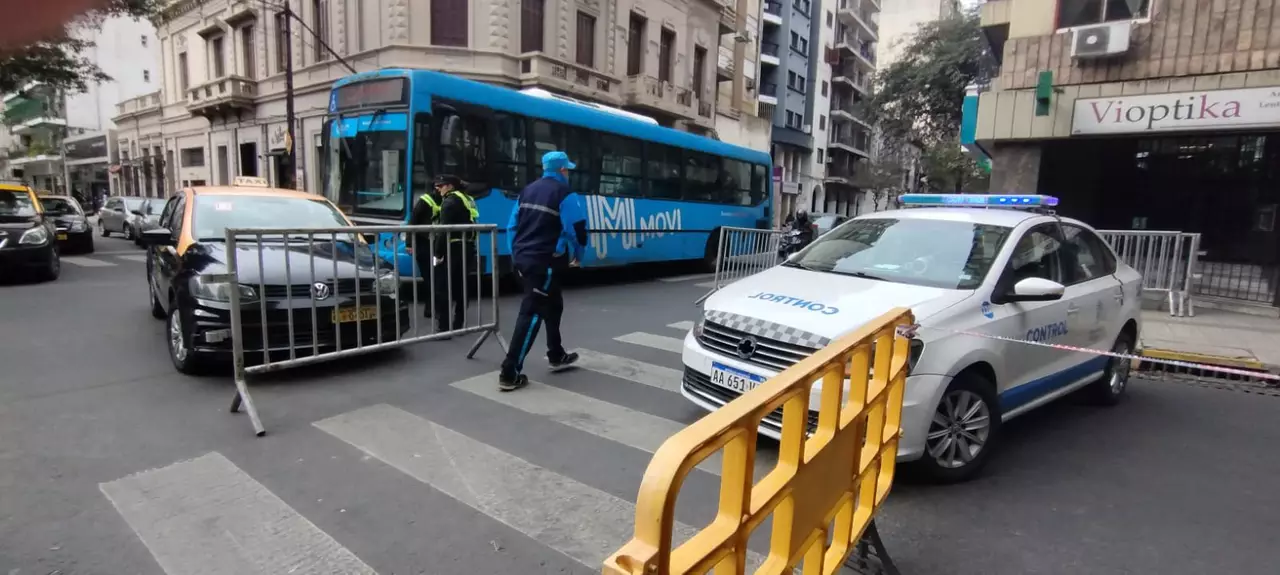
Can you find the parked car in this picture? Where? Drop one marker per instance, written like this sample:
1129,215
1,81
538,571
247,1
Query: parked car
187,266
114,216
823,223
73,231
27,235
146,217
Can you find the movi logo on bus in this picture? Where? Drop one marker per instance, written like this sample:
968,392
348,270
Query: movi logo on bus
611,219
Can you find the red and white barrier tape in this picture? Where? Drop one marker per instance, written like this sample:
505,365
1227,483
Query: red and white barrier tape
1270,378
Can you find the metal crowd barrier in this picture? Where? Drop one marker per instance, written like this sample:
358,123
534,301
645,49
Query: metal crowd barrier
1167,261
742,252
349,302
827,486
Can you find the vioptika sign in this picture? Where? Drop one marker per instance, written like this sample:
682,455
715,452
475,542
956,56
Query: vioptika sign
1179,111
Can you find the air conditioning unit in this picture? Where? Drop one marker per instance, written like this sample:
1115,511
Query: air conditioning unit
1100,41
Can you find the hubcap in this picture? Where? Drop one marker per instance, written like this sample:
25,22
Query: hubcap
176,342
1119,369
959,430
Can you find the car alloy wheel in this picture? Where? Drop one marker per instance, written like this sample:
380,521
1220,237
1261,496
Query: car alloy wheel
960,429
177,336
1119,379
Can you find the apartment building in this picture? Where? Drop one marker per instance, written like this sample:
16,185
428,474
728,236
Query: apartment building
850,142
60,142
1146,115
220,110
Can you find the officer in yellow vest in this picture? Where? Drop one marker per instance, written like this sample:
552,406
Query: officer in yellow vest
454,258
426,212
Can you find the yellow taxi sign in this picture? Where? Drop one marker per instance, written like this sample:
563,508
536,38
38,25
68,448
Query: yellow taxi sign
251,182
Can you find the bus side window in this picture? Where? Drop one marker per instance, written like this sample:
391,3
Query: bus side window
736,182
510,152
702,178
759,183
621,161
461,145
663,167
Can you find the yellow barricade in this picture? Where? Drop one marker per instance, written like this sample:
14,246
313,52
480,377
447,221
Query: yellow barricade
827,485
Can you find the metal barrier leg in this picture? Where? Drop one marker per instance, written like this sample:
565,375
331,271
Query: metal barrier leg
493,296
237,344
870,557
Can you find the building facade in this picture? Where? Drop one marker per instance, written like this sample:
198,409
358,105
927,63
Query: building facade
689,64
60,142
1147,115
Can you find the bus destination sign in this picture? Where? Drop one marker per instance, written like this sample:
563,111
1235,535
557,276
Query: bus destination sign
381,92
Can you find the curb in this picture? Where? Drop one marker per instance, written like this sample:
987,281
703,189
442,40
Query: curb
1205,358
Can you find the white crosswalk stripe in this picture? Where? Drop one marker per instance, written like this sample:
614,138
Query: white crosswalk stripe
681,325
207,517
653,340
86,262
140,258
629,369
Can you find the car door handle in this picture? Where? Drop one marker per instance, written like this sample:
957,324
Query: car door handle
1072,310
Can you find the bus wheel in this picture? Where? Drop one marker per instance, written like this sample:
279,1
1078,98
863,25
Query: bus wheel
711,255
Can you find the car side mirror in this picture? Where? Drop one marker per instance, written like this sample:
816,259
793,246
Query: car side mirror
157,237
1035,289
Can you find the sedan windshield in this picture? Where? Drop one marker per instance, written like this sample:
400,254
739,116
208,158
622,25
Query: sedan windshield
60,207
16,204
213,214
366,172
936,253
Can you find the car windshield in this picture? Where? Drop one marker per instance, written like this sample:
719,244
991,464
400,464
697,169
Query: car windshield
366,172
825,222
15,203
937,253
60,207
213,214
131,204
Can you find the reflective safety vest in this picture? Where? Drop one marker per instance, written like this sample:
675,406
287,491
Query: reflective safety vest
471,207
435,206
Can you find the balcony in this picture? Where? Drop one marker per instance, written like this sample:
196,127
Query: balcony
728,16
853,14
769,53
139,105
768,93
863,51
653,95
222,96
849,77
539,69
35,154
31,110
847,111
724,64
853,142
772,12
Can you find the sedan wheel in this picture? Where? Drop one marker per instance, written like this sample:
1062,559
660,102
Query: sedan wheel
185,360
1110,388
959,430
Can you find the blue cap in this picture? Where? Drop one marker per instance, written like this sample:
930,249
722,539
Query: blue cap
556,161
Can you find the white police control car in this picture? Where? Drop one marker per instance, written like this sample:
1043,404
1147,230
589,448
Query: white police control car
995,265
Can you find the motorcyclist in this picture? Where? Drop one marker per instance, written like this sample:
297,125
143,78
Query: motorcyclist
804,226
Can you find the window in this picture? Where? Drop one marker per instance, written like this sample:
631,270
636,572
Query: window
192,157
664,172
282,41
461,149
822,122
635,44
736,186
820,155
449,23
532,19
702,177
183,77
576,142
1083,12
1036,256
249,56
801,5
146,76
796,82
511,163
219,58
586,40
699,70
830,19
223,166
1085,256
824,88
176,217
169,169
620,166
320,24
666,54
799,43
144,41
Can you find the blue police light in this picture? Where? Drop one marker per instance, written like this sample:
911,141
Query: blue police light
981,201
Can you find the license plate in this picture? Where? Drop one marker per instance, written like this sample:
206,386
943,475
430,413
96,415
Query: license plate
734,378
62,236
348,314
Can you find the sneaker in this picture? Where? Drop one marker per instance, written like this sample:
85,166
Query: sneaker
565,362
508,383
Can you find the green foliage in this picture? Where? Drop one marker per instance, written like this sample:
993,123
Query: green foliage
58,60
947,168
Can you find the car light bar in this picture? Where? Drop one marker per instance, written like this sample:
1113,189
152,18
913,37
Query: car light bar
979,200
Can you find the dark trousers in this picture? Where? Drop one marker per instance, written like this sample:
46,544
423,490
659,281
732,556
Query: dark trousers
450,286
543,303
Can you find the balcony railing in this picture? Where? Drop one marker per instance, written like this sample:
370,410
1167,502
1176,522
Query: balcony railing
849,75
773,7
222,94
537,68
728,16
856,140
724,63
138,104
769,48
649,92
854,13
769,89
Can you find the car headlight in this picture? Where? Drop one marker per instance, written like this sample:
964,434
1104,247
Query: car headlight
220,291
34,236
697,328
77,225
388,284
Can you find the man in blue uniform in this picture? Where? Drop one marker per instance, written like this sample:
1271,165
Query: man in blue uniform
547,234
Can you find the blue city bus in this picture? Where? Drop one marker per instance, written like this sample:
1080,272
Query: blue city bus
652,194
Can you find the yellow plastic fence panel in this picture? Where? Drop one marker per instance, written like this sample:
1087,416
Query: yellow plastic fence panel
826,485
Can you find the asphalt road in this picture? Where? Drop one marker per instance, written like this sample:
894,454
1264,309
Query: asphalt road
112,463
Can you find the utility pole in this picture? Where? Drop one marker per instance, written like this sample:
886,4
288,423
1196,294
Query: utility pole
291,152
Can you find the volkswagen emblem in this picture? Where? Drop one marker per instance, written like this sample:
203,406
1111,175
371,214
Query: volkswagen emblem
320,290
746,347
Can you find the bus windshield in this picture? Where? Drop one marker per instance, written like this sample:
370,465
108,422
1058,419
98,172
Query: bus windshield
366,172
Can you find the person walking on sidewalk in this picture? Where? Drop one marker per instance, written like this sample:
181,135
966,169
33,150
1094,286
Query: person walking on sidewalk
548,234
452,252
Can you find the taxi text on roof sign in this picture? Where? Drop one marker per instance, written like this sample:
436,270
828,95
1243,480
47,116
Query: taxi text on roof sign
250,182
977,200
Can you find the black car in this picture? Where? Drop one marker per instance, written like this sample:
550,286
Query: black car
74,233
28,243
186,277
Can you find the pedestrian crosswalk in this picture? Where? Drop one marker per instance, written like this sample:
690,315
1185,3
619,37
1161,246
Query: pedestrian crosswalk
104,259
209,516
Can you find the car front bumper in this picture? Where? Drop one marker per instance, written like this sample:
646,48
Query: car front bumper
25,258
211,328
920,400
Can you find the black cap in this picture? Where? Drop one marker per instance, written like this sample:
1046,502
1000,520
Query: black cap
450,179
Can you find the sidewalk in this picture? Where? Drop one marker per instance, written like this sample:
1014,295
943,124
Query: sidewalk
1214,337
